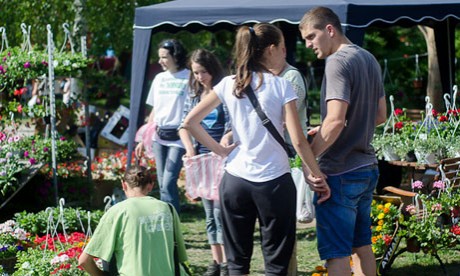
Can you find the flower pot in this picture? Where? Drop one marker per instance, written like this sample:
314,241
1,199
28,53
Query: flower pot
413,245
389,154
417,83
425,158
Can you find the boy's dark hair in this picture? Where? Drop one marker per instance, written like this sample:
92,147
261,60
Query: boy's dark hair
138,176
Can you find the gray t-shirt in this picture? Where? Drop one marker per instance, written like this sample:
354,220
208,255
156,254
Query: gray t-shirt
353,75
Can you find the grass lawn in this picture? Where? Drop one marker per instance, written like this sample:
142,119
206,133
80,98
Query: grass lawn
193,228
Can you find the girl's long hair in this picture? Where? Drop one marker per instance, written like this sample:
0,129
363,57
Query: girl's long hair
212,65
250,45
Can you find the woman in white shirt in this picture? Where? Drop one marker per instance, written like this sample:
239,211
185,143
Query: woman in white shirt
167,96
257,183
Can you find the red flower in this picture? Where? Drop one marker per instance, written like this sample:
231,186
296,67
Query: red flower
387,239
398,112
19,108
399,125
434,113
443,118
455,229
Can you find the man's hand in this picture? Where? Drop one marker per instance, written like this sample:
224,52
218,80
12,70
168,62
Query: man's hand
320,186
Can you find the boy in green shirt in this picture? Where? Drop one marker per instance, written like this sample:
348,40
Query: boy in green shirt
139,231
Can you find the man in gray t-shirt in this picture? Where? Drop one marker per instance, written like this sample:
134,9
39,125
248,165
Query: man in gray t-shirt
352,104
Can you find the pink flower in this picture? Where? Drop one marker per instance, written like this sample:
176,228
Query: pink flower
436,207
19,108
27,65
32,161
417,184
26,154
411,209
438,184
45,149
2,70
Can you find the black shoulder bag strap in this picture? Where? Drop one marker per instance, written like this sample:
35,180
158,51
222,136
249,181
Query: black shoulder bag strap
265,121
176,254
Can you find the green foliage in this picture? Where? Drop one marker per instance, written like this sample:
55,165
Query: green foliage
36,223
404,43
30,262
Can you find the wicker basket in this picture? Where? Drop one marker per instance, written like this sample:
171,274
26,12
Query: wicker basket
8,264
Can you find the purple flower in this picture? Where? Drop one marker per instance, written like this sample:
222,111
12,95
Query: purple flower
62,138
438,184
2,70
4,59
9,155
26,154
2,173
45,149
417,184
32,161
44,62
27,65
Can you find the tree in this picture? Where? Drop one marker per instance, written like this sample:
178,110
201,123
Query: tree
434,87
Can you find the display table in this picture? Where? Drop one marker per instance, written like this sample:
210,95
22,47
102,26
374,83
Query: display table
25,177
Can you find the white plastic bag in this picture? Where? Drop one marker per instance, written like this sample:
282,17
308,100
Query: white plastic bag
203,174
305,210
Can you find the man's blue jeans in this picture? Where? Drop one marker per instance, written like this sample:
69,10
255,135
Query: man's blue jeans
168,164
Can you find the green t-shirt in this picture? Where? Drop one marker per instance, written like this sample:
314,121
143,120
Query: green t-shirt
139,231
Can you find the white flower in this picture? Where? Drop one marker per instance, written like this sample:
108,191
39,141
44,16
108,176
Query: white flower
25,265
66,62
55,63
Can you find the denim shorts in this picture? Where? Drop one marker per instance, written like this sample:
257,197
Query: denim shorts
343,221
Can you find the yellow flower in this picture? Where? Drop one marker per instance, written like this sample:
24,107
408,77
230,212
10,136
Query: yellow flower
373,202
380,207
381,216
380,222
387,205
374,239
378,228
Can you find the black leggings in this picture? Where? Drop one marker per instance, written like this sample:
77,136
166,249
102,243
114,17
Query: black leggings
273,203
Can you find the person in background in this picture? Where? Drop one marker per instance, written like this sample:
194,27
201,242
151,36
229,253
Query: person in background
138,231
257,183
167,96
283,69
352,104
206,71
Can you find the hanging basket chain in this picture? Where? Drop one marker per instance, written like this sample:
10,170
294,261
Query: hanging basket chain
67,37
4,39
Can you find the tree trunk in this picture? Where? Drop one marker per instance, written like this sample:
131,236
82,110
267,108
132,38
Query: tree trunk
434,86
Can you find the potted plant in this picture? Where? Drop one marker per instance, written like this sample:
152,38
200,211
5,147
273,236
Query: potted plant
429,150
436,223
13,239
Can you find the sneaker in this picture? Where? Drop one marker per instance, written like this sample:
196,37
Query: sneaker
213,269
223,269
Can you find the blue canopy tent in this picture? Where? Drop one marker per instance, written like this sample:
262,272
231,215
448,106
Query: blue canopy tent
355,15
